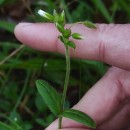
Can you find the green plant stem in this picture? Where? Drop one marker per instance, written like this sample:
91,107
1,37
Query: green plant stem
75,24
65,83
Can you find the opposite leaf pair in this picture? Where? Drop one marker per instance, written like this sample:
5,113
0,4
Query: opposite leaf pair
53,99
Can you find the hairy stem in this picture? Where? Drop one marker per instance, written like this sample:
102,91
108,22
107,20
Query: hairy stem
65,83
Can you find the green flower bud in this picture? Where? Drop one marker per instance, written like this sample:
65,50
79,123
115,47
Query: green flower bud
71,44
90,24
62,17
56,16
63,39
60,27
55,13
67,33
77,36
46,15
67,42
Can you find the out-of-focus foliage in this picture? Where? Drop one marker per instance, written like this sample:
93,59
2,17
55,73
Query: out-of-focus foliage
21,107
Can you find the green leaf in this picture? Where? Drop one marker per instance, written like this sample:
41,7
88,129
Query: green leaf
8,26
40,104
4,126
2,1
50,96
14,119
80,117
90,24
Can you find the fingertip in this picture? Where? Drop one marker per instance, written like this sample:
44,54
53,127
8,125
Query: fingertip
19,31
40,36
16,30
19,26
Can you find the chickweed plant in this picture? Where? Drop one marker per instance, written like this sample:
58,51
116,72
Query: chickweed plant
52,98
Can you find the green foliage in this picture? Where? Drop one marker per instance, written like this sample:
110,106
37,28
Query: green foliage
46,121
2,1
67,33
40,104
50,96
102,8
7,26
80,117
48,93
4,126
12,123
70,44
49,66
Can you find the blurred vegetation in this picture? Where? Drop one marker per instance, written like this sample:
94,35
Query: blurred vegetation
21,107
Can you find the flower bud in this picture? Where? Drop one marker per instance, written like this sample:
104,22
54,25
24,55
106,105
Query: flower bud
46,15
71,44
67,42
60,27
77,36
90,24
56,16
67,33
62,17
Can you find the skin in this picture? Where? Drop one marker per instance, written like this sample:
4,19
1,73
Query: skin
108,101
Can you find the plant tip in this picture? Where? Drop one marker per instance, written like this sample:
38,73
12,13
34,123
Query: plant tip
41,12
45,15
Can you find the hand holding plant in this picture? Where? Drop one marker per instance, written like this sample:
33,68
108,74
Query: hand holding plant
105,102
49,94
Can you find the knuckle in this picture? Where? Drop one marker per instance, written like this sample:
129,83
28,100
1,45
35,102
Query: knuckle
102,51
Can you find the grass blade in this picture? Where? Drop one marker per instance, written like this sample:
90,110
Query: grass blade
4,126
102,8
8,26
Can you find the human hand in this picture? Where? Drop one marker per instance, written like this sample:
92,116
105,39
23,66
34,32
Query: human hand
108,101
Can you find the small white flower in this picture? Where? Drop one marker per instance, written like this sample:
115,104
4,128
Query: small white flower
45,15
41,12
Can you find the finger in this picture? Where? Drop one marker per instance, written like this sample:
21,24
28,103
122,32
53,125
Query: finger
104,99
73,129
109,43
119,121
128,128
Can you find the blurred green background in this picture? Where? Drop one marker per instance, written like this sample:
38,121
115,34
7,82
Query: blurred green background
21,107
